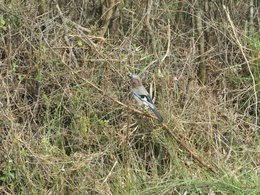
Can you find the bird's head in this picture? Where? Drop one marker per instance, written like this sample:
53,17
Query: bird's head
135,80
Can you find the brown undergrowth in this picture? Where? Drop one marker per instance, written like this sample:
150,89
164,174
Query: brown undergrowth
69,124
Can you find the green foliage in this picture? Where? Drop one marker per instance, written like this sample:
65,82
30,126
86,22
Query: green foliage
7,175
2,24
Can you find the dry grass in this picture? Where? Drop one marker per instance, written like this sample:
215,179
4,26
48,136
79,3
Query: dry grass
68,123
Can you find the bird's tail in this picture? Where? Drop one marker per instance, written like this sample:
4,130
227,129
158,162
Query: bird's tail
158,114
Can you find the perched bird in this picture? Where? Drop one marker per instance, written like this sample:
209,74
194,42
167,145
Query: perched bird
142,96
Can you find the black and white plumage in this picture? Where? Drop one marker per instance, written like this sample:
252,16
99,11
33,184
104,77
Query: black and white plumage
142,96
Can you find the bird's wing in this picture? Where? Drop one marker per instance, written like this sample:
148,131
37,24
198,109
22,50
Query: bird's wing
146,99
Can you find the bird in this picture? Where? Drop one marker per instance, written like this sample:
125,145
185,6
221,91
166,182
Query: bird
142,96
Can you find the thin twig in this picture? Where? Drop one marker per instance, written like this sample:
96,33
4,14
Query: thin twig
168,51
105,180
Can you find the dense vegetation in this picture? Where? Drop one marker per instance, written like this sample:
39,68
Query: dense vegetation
68,124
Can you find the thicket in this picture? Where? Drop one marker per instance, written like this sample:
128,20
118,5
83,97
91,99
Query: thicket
68,124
